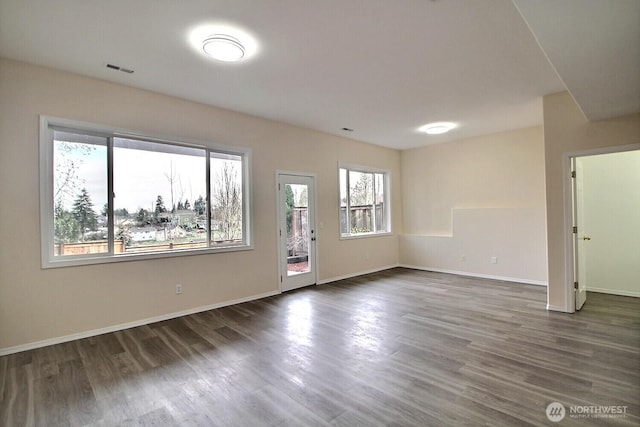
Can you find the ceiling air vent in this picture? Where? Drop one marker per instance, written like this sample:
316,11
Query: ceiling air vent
118,68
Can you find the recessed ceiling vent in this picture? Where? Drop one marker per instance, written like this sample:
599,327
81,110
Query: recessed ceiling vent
118,68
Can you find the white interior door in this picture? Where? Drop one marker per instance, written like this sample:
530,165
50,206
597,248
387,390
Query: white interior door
296,230
581,239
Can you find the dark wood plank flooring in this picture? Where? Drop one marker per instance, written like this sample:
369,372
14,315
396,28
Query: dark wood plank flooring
399,347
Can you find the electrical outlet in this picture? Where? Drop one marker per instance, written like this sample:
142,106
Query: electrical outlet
178,289
494,260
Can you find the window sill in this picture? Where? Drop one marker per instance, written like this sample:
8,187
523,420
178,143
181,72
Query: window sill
365,235
73,261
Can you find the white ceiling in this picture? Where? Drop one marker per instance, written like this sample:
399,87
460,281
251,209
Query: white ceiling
595,47
380,67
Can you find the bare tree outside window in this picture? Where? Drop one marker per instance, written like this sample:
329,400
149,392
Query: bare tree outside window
74,217
226,207
174,179
68,159
361,188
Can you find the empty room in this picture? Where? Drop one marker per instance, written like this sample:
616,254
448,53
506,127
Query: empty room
322,213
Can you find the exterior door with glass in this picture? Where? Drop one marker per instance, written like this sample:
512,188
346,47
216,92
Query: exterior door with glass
296,230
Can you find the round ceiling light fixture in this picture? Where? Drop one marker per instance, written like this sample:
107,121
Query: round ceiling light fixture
223,48
437,128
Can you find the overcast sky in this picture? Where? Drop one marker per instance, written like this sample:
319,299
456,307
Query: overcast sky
139,177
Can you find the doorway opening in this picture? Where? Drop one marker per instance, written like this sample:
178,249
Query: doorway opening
604,223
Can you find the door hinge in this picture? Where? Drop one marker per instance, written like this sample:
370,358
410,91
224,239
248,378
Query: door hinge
279,188
573,174
575,285
575,230
280,279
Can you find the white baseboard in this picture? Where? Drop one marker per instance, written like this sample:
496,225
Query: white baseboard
557,308
483,276
95,332
349,276
615,292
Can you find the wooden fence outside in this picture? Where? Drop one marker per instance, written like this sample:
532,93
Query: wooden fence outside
362,218
102,246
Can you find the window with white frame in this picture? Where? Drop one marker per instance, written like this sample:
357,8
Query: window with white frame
109,195
364,201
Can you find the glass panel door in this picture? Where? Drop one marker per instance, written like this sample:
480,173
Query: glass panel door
297,235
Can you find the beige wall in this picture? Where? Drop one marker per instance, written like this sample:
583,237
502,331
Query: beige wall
37,304
464,202
566,131
611,218
468,201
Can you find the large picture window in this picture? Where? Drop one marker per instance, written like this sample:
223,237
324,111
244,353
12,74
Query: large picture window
110,195
364,201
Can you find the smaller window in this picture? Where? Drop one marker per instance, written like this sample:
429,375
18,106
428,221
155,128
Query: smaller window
364,201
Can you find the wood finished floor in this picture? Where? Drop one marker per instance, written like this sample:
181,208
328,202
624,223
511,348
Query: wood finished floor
399,347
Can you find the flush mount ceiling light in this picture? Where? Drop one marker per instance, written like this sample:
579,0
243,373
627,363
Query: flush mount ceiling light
225,42
437,128
223,48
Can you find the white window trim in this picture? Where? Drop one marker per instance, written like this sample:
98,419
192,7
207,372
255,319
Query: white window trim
387,194
49,260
